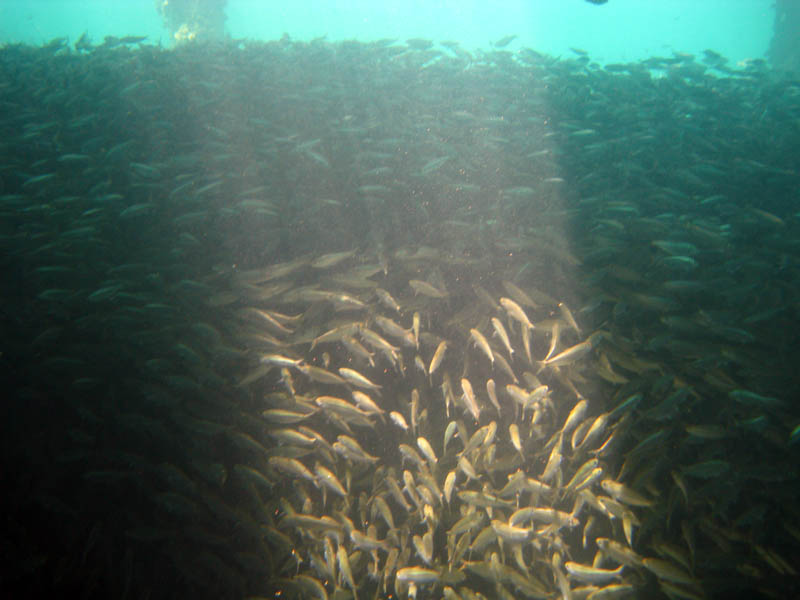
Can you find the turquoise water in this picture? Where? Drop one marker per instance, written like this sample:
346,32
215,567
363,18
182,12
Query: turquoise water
619,31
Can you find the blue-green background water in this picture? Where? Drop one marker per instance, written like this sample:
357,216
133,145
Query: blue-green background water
621,30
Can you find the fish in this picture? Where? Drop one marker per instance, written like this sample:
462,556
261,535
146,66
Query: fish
570,355
482,343
387,299
518,294
355,348
399,420
340,408
510,533
491,391
482,499
320,375
394,330
504,41
513,433
568,317
326,478
618,552
593,575
357,379
353,449
515,312
501,332
575,416
245,269
343,561
469,399
427,450
337,334
281,361
426,289
417,575
625,494
326,261
366,404
291,466
438,357
666,570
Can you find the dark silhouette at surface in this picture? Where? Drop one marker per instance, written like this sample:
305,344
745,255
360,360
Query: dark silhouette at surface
189,20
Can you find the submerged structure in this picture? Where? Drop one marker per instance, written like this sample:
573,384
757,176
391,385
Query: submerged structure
784,50
193,20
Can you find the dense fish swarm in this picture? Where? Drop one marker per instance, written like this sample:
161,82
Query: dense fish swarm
315,320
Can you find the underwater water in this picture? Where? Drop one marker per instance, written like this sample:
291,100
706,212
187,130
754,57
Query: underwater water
378,317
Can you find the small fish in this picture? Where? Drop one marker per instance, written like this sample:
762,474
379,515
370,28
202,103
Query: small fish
449,432
491,391
365,403
434,165
326,478
794,436
590,574
417,575
515,311
398,420
337,334
513,432
320,375
356,349
466,467
329,260
619,552
501,332
469,398
291,466
414,410
357,379
575,416
426,289
438,356
344,568
395,331
449,485
366,542
581,473
570,355
568,317
282,361
596,429
482,343
624,494
666,570
339,406
427,450
554,461
518,294
510,533
504,41
387,300
283,416
615,591
483,499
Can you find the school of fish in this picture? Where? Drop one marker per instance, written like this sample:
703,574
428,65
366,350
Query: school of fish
395,319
